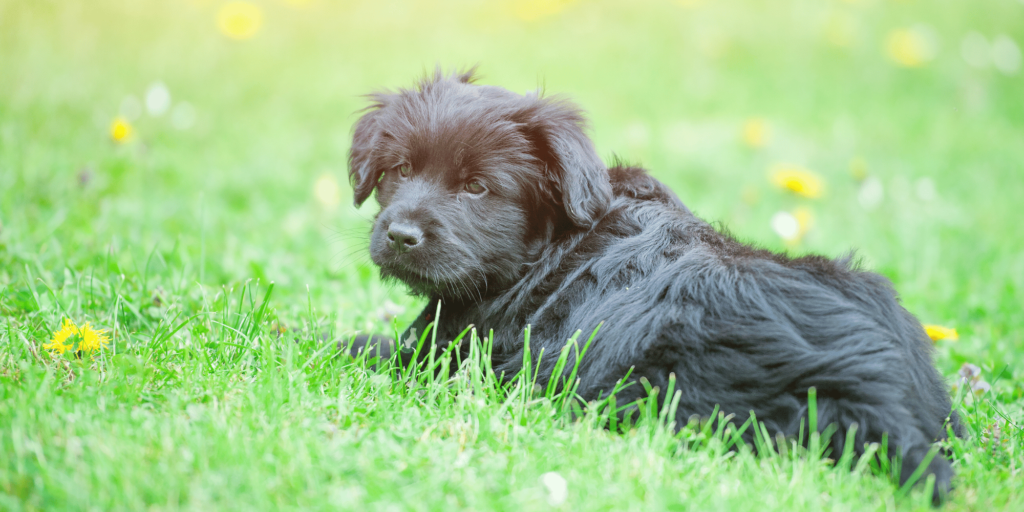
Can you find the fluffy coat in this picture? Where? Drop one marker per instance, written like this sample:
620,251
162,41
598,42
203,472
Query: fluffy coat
559,242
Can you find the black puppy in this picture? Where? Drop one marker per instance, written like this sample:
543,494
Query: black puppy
497,205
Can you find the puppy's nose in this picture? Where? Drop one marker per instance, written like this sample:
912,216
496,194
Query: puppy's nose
403,237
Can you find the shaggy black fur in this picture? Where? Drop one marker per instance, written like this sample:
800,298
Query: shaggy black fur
497,205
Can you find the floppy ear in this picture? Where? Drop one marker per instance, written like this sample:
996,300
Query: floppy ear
554,128
366,136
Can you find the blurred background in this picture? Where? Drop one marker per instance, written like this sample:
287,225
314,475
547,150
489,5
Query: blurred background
205,141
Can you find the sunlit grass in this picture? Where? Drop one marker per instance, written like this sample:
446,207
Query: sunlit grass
183,190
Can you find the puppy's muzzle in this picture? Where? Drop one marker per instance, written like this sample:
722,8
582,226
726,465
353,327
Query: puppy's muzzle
403,237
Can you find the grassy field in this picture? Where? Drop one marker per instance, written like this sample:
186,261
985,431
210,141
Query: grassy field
210,236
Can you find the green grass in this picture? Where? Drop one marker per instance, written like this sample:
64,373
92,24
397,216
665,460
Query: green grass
218,393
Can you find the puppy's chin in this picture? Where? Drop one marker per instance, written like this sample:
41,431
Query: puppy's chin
450,285
417,283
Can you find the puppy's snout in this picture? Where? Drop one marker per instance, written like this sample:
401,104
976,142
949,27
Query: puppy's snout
403,237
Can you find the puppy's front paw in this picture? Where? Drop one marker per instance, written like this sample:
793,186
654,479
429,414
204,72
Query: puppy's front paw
939,466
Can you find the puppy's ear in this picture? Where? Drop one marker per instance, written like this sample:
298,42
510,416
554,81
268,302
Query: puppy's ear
365,137
554,128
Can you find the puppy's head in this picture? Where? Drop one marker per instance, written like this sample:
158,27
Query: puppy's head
472,182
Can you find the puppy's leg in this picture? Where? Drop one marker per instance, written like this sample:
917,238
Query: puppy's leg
377,346
939,466
373,344
385,347
956,424
878,421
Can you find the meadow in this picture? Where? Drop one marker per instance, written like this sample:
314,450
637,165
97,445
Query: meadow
179,256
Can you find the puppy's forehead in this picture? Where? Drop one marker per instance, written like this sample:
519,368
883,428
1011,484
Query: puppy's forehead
452,106
462,124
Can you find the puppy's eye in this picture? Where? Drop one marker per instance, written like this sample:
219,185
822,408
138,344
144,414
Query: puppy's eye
475,187
404,170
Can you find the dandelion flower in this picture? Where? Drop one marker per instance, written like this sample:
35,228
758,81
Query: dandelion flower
120,130
938,332
93,339
158,99
908,47
327,191
786,225
755,133
239,20
792,226
58,342
557,487
798,180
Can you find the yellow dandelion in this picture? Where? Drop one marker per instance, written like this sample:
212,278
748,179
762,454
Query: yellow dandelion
120,130
798,180
755,133
533,10
93,339
907,47
239,20
57,343
938,332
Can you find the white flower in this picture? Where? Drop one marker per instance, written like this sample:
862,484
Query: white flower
871,193
969,371
925,189
327,191
1005,54
975,50
786,225
558,488
158,99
